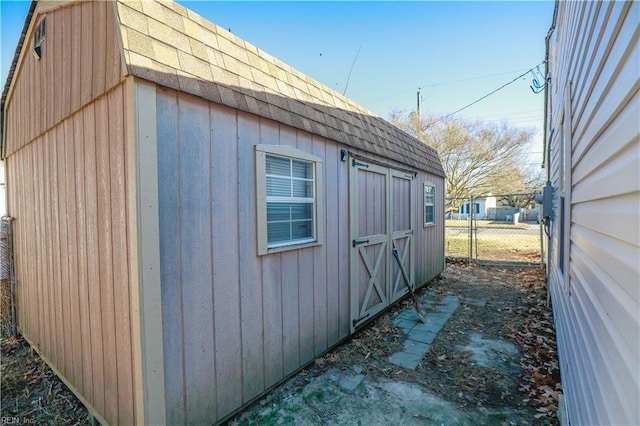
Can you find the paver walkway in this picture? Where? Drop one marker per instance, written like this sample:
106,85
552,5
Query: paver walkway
419,335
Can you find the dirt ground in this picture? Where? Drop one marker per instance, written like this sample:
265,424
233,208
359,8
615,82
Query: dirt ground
32,393
500,308
494,362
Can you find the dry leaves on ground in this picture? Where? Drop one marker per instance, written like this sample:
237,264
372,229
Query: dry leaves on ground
32,393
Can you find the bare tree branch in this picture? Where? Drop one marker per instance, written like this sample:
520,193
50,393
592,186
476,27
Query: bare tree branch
478,157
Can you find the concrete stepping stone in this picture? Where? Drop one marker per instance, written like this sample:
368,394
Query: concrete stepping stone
419,335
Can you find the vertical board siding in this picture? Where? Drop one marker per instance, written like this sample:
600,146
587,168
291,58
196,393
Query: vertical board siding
196,252
99,45
290,292
72,250
83,288
57,275
226,262
105,257
80,61
43,306
236,323
596,310
271,333
314,304
311,279
120,260
251,293
66,191
170,265
93,271
343,237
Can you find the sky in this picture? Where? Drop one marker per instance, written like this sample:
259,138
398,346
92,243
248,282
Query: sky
380,53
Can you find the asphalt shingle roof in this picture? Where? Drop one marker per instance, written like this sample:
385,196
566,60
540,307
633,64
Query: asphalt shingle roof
171,45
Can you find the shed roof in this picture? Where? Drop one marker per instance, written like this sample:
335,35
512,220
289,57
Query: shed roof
171,45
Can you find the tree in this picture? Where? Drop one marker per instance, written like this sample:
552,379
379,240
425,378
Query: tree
478,157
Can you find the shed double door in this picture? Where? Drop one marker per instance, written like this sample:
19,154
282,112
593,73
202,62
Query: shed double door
381,220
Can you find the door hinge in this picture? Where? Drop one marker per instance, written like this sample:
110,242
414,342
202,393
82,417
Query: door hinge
358,242
356,321
355,163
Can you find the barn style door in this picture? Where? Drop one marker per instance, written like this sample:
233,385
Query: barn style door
402,209
380,219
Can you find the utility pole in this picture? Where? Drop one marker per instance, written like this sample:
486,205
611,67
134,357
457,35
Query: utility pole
419,101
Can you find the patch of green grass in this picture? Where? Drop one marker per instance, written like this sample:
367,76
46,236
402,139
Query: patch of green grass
459,223
509,242
498,246
315,396
456,246
269,419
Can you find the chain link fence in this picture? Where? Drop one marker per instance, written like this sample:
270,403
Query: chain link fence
494,230
7,282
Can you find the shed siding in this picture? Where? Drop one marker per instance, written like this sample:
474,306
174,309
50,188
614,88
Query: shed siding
83,50
237,323
67,193
595,80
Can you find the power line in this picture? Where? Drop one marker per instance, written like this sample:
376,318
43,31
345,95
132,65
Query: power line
490,93
472,78
441,84
520,114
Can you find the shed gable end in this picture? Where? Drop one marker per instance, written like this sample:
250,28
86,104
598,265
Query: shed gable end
71,55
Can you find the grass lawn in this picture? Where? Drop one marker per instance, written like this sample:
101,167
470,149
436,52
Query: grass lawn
460,223
505,246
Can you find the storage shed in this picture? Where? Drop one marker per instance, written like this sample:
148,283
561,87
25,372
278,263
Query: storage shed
194,219
593,161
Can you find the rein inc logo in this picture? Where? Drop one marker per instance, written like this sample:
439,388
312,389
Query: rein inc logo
16,420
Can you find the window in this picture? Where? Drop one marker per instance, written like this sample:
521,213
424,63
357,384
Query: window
288,198
429,204
41,32
465,208
39,36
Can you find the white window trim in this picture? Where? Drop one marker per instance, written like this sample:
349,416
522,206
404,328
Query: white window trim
424,204
261,198
40,34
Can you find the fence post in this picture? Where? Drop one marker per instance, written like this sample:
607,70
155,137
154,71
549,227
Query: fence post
7,276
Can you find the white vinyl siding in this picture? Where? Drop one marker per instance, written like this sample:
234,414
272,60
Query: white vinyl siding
594,99
288,189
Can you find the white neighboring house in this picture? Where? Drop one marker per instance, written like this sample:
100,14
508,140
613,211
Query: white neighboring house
593,159
479,208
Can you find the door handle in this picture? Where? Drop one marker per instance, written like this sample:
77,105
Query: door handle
358,242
